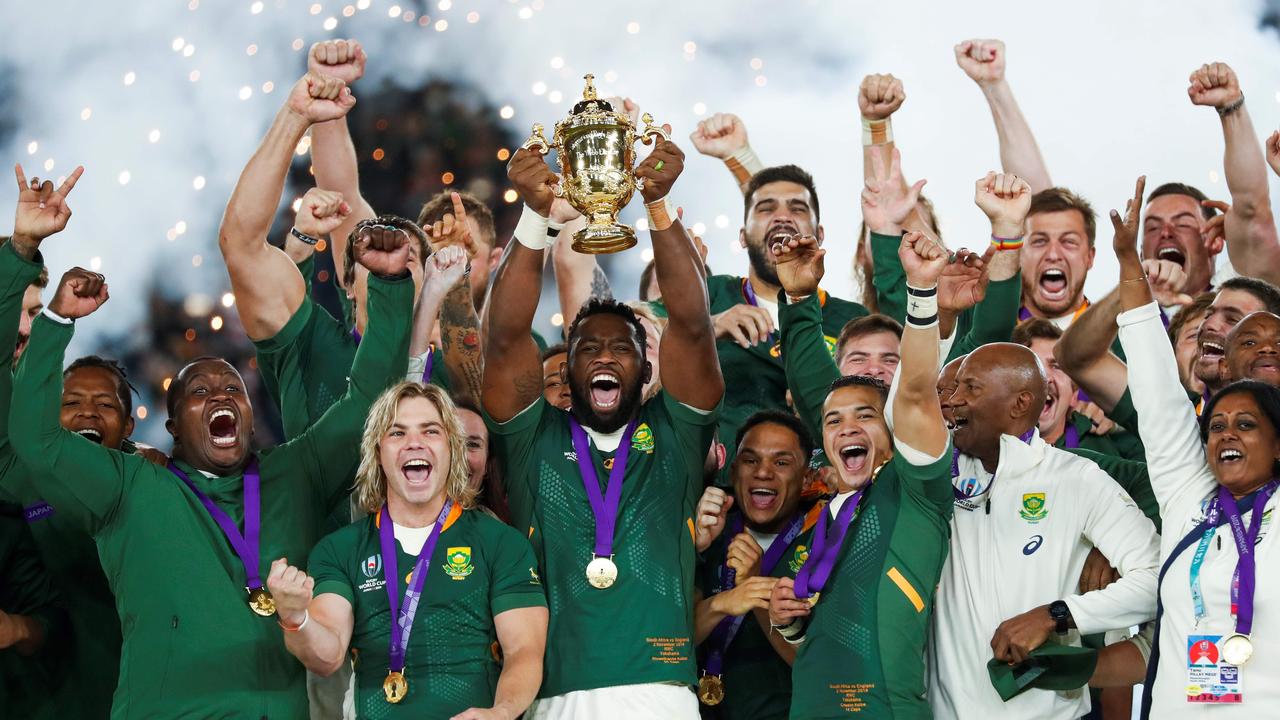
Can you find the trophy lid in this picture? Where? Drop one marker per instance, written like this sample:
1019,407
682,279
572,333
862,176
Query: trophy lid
590,101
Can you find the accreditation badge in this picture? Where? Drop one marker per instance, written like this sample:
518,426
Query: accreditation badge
1210,678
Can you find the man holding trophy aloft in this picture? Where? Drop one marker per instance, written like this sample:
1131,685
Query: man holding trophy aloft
607,490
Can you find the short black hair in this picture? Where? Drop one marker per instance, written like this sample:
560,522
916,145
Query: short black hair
1265,292
124,388
557,349
410,227
608,306
1175,188
778,417
780,173
874,383
1267,397
176,384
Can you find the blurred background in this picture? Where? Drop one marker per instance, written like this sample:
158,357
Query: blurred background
163,101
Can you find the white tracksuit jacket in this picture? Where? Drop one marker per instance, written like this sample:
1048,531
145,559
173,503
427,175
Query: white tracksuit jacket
1183,486
1048,509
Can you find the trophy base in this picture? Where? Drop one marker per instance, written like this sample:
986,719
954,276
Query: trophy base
604,238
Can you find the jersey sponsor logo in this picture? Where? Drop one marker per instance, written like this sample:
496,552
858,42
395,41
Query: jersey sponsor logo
37,512
1034,507
1033,545
458,562
642,439
372,566
798,558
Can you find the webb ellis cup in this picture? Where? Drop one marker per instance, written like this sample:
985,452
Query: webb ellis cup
596,149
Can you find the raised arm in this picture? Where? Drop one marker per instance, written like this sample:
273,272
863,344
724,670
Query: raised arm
333,155
579,276
446,295
1252,242
268,287
690,367
917,416
512,369
724,136
879,97
983,61
1084,353
888,207
809,366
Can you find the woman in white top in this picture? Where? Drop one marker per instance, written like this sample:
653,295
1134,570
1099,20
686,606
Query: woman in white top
1218,631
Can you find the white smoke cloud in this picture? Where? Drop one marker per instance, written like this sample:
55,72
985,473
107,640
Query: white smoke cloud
1102,84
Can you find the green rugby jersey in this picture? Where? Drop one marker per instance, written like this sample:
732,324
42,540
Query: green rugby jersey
480,568
28,685
640,630
191,645
864,645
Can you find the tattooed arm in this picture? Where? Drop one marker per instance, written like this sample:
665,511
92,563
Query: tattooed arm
460,339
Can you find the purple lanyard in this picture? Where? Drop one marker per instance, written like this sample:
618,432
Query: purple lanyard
1243,582
750,293
727,629
822,555
1071,438
246,546
403,613
605,508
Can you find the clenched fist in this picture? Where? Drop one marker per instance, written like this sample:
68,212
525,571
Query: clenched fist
658,178
320,212
981,60
923,259
1214,85
291,588
1005,198
382,249
319,98
713,509
79,293
880,96
720,135
342,59
784,607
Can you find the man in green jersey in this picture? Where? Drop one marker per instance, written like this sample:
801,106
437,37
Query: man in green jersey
422,643
32,624
860,603
607,491
746,669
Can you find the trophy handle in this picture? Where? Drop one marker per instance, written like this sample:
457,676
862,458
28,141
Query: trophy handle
537,141
651,131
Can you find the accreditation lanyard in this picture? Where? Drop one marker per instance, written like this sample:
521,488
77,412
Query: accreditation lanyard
403,612
603,506
750,293
246,545
817,567
1243,580
727,629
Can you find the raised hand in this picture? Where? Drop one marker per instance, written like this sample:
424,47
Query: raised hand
1005,198
342,59
79,293
880,96
963,282
1214,85
747,595
446,268
42,211
1125,242
1167,280
318,98
452,229
626,106
799,263
981,60
720,135
658,178
533,180
1214,233
743,555
886,205
784,607
382,250
1273,152
320,212
922,259
291,588
744,324
712,512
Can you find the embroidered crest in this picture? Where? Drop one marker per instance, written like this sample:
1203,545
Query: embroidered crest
642,439
458,562
798,558
1034,508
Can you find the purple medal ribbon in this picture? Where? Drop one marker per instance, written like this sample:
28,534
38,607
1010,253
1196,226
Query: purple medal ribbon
727,629
605,508
245,546
1071,437
822,555
403,613
1244,581
750,293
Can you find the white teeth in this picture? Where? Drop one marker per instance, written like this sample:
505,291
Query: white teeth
848,450
90,433
1212,348
1230,454
604,377
764,491
1054,275
221,412
224,441
1170,253
417,463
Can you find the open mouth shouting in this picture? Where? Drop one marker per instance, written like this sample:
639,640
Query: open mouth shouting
1211,348
1053,285
224,428
1229,456
93,435
854,458
417,471
606,391
1172,253
762,498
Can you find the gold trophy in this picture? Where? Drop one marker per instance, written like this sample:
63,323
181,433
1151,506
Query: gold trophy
596,149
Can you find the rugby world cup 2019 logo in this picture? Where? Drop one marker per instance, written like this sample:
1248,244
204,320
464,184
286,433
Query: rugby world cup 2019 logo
458,563
372,566
1034,507
798,558
642,439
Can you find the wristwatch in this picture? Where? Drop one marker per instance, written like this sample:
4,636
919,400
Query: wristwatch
1061,615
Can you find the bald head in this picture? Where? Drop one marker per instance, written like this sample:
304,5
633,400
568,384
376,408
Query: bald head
1253,349
1000,390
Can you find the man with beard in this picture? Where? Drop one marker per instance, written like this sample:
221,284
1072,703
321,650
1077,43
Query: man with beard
860,602
554,388
608,490
746,669
1252,347
191,646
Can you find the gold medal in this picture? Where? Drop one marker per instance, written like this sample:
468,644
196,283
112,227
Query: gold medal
1237,649
395,687
813,599
710,689
261,602
602,573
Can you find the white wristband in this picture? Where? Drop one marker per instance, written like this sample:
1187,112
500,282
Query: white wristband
922,306
531,231
747,158
56,317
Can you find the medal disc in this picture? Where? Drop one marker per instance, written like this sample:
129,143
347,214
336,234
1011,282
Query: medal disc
813,599
395,687
261,602
601,573
1237,649
710,689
